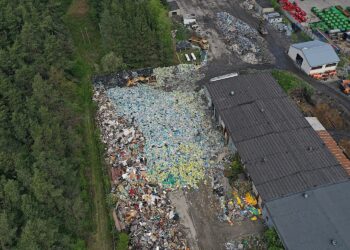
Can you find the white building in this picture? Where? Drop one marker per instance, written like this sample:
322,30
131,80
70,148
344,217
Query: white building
314,57
273,17
189,19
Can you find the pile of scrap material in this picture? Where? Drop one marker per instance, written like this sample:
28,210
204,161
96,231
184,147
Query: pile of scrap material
125,78
237,206
142,208
181,140
242,39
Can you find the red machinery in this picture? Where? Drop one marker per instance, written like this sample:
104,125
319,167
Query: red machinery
294,10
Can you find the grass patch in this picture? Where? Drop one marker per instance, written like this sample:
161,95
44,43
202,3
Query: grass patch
290,82
123,241
300,37
272,239
182,57
182,33
86,39
233,170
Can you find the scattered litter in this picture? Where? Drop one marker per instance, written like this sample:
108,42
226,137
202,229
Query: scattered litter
179,139
242,39
251,242
142,208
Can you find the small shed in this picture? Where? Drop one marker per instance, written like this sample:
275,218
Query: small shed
273,17
314,57
189,19
263,7
174,9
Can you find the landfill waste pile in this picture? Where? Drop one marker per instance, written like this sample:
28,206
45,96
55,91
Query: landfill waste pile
124,78
181,77
237,206
255,242
142,208
243,40
180,140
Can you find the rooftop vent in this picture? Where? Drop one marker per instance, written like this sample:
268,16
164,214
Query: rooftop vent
262,110
232,93
305,195
334,242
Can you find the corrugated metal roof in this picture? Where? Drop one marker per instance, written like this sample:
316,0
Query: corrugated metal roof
281,151
317,53
173,5
334,148
313,222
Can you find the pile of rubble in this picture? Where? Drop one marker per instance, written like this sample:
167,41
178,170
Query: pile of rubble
247,4
124,78
238,203
243,39
239,208
180,140
181,77
142,208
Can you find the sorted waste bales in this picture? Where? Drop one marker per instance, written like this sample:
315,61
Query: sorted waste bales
143,209
179,139
242,39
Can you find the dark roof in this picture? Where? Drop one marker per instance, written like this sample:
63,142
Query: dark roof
313,222
281,151
173,6
264,3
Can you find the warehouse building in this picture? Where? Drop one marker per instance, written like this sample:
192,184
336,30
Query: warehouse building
317,219
315,58
282,154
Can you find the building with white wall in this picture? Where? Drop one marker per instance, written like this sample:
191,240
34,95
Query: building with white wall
314,57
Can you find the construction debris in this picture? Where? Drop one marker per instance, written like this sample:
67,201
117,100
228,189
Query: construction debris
124,78
242,39
180,140
142,208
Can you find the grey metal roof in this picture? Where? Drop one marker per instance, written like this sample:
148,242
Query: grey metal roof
312,223
317,53
281,151
264,3
173,6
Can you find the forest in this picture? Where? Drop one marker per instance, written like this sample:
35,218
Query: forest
135,34
42,200
45,196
